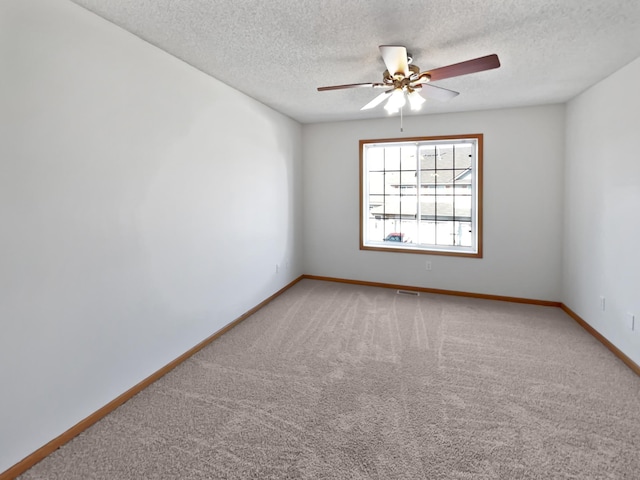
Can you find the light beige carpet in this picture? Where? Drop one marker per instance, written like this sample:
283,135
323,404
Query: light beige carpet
334,381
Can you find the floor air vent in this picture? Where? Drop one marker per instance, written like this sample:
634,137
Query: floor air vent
408,292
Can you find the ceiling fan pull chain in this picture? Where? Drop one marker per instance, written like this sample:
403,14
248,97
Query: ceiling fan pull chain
401,127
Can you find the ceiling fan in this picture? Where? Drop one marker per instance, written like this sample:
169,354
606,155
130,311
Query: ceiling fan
402,79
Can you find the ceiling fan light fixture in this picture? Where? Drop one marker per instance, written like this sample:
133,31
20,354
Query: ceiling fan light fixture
415,100
396,101
391,109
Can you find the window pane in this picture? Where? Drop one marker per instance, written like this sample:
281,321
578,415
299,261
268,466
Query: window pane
444,207
427,208
409,181
410,230
429,177
409,160
465,233
462,176
444,233
427,233
463,208
444,157
464,154
427,157
392,158
408,206
376,183
375,201
376,230
462,190
375,158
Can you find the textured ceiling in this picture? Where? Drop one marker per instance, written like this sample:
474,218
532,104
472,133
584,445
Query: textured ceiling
279,51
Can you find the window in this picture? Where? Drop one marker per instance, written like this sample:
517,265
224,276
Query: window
422,195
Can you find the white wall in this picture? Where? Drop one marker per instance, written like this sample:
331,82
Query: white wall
602,215
143,206
523,170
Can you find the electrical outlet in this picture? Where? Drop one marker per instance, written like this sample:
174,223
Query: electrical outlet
428,266
602,304
632,324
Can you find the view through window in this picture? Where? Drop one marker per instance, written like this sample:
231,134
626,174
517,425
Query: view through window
422,195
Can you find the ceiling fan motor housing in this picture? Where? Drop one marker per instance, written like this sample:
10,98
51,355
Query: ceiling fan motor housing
399,80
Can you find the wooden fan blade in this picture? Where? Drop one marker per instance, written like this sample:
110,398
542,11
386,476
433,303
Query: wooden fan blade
437,93
353,85
464,68
378,100
395,59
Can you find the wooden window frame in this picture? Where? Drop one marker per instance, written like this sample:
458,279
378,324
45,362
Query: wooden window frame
476,199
